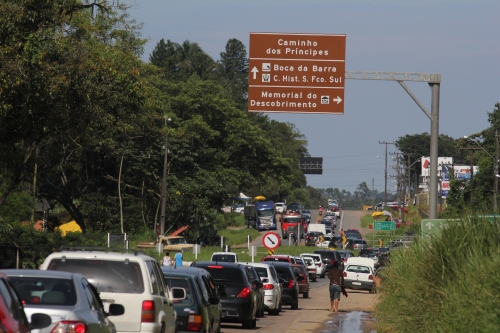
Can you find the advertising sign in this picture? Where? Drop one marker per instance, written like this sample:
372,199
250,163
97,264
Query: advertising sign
444,166
302,73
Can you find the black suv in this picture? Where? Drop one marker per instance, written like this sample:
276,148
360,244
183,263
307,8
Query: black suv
201,308
290,295
329,257
237,291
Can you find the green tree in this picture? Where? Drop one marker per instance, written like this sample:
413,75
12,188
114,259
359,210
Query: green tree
234,69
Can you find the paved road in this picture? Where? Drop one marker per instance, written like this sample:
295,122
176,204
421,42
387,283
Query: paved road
312,315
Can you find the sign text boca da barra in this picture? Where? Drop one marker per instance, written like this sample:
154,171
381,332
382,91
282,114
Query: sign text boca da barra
296,73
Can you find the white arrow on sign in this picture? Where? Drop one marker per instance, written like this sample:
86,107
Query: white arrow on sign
337,99
429,225
255,71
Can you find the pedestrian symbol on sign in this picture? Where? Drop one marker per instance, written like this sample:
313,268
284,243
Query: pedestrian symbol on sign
325,99
266,77
266,67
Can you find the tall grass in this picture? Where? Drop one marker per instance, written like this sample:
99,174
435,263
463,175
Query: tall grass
449,283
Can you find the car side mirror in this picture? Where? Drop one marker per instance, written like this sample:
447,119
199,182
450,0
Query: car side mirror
258,284
178,293
116,310
265,280
40,320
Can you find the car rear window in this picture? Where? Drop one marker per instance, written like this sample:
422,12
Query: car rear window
358,269
262,272
225,274
181,283
368,252
224,257
298,270
45,291
283,273
106,275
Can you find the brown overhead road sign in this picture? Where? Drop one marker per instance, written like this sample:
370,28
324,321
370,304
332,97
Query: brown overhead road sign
296,73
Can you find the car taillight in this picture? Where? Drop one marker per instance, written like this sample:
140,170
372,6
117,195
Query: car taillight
212,266
332,261
370,277
244,293
291,283
268,286
345,274
148,312
35,299
194,323
70,326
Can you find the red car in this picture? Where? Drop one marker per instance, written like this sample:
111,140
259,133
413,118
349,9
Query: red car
12,316
301,270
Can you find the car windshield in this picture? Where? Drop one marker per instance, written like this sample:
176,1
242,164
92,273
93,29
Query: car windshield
291,219
106,275
45,291
181,283
265,212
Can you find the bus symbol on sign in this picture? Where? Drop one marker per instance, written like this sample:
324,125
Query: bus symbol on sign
325,99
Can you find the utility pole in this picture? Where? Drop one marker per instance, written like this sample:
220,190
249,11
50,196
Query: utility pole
164,185
495,189
373,193
385,173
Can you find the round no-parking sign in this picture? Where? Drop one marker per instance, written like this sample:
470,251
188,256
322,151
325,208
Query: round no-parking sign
271,240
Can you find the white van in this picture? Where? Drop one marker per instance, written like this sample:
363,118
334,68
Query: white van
317,227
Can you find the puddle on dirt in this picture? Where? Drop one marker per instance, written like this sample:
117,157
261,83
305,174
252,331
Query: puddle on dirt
350,322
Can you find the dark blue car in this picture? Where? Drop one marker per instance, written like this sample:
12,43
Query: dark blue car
201,310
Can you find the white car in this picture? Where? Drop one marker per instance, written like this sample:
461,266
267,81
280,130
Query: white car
318,260
239,209
224,256
280,207
326,241
359,273
311,267
131,279
271,285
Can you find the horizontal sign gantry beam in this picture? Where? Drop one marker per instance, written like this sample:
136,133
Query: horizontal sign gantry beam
393,76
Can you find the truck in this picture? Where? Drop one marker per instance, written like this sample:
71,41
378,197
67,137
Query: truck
261,215
293,222
170,243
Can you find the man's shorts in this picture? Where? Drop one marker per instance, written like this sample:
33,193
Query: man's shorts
335,291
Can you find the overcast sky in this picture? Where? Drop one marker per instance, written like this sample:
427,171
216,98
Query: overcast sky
458,39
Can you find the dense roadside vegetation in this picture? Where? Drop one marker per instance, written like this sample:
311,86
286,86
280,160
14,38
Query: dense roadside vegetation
445,284
83,124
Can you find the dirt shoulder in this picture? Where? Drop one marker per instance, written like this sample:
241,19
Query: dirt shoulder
313,313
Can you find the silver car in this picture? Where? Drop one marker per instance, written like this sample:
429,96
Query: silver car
68,298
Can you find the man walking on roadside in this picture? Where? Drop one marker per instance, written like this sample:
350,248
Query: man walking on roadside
336,278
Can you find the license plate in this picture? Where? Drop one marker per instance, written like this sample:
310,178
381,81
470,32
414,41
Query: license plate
356,283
